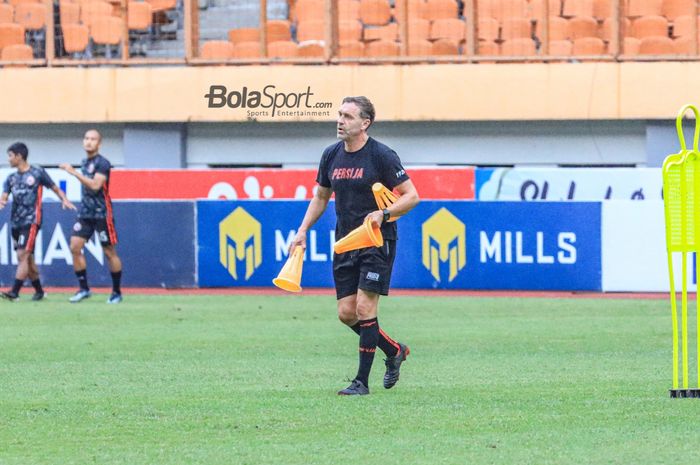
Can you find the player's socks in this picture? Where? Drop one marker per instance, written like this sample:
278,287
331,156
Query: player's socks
16,286
82,279
117,282
386,343
369,336
37,286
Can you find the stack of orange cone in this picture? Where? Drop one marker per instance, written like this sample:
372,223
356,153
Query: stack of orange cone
289,278
366,235
384,198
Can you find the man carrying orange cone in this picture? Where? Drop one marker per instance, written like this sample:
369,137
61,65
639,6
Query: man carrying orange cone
361,265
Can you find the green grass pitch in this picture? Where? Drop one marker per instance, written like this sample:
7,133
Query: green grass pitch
252,380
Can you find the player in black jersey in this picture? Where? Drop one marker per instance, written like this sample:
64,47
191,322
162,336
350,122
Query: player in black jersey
349,168
26,186
95,217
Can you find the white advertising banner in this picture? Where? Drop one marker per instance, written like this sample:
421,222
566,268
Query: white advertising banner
561,184
634,248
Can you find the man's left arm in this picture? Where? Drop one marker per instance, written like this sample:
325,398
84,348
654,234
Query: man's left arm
405,203
94,184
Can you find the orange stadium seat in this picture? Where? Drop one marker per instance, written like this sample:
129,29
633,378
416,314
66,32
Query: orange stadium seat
311,50
559,28
11,34
382,48
417,9
389,32
282,49
560,47
573,8
420,48
31,15
443,47
216,50
17,2
69,13
106,30
418,29
7,13
246,34
75,37
448,28
488,48
630,46
583,26
311,30
441,9
684,46
162,5
603,9
278,30
518,47
309,10
351,49
588,46
537,8
683,26
17,52
516,28
375,12
504,9
140,16
245,50
673,9
644,8
89,11
649,26
656,46
348,10
606,30
488,29
350,30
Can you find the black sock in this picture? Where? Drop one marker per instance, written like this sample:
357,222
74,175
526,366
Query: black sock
82,279
16,286
387,344
369,336
37,285
117,282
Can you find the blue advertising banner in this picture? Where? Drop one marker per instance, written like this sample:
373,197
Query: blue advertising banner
442,244
156,246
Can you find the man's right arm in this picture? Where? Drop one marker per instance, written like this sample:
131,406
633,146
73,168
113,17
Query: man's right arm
314,211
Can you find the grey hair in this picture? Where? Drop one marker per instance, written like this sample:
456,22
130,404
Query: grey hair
365,106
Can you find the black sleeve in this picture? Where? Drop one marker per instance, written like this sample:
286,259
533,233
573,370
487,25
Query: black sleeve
392,171
6,185
45,179
322,175
103,168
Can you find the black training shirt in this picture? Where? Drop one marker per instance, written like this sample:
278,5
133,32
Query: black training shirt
26,190
351,174
95,204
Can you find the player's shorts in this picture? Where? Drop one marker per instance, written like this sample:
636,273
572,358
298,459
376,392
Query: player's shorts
368,269
86,227
24,237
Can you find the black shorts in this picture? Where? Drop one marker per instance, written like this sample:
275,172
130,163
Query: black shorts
86,227
368,269
24,237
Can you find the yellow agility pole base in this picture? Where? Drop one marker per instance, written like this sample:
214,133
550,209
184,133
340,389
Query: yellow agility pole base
681,187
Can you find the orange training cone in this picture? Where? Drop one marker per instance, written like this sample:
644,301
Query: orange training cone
367,235
384,198
290,276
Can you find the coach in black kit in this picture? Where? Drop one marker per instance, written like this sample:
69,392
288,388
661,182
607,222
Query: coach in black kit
349,168
26,186
95,217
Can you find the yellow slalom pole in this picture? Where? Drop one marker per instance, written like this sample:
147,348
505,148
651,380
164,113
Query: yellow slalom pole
674,318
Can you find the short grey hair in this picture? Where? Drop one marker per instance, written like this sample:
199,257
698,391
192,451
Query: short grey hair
365,106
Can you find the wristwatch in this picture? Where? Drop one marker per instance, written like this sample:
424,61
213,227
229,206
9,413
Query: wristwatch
387,215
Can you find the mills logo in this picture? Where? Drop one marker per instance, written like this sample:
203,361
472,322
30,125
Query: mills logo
444,240
240,240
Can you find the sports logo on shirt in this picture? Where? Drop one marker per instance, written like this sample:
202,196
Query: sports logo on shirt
91,168
444,240
240,241
30,180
